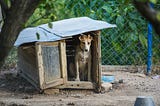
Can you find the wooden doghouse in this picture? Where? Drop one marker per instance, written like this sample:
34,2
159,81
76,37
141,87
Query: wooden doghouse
44,63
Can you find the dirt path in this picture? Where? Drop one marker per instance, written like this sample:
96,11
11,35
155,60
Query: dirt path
15,91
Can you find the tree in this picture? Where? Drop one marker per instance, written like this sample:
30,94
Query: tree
15,15
149,13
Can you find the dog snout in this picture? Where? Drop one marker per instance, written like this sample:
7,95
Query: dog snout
86,50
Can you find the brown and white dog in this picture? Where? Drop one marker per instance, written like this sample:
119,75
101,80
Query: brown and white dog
83,58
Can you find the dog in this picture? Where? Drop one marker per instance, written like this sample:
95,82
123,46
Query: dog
83,58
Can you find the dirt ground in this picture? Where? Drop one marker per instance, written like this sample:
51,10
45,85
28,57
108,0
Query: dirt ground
15,91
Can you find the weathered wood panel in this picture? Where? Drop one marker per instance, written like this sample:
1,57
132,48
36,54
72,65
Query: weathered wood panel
28,55
40,65
27,64
63,61
54,83
99,82
96,61
76,85
49,62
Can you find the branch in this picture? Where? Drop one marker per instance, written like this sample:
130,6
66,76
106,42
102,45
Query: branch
149,13
33,22
4,7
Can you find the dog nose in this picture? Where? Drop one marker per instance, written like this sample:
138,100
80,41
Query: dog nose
86,50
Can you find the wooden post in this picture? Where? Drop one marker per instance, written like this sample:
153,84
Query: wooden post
63,60
96,61
40,65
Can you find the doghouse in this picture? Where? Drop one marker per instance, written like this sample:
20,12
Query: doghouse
44,53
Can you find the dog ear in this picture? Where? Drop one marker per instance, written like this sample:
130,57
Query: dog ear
81,38
90,37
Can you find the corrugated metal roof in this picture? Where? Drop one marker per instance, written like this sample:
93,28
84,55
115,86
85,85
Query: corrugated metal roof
61,30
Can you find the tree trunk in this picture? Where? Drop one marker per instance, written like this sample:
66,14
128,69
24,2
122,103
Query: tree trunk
16,17
1,18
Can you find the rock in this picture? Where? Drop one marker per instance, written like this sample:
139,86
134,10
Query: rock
107,86
27,97
71,104
140,75
121,81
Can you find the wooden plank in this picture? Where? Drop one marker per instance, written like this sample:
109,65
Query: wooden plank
63,60
28,69
27,47
27,65
99,62
31,51
48,43
40,65
30,58
96,61
51,91
54,83
76,85
30,79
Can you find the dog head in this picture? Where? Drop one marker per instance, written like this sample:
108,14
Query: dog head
85,42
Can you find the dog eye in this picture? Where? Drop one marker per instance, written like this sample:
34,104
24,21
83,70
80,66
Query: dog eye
83,42
88,43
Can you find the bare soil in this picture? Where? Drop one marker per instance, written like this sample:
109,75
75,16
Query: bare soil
15,91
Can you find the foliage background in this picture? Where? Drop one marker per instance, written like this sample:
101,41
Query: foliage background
124,45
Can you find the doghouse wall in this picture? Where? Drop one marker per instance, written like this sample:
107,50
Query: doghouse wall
27,64
43,64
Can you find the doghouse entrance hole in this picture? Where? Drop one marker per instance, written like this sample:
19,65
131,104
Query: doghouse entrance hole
70,53
71,45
